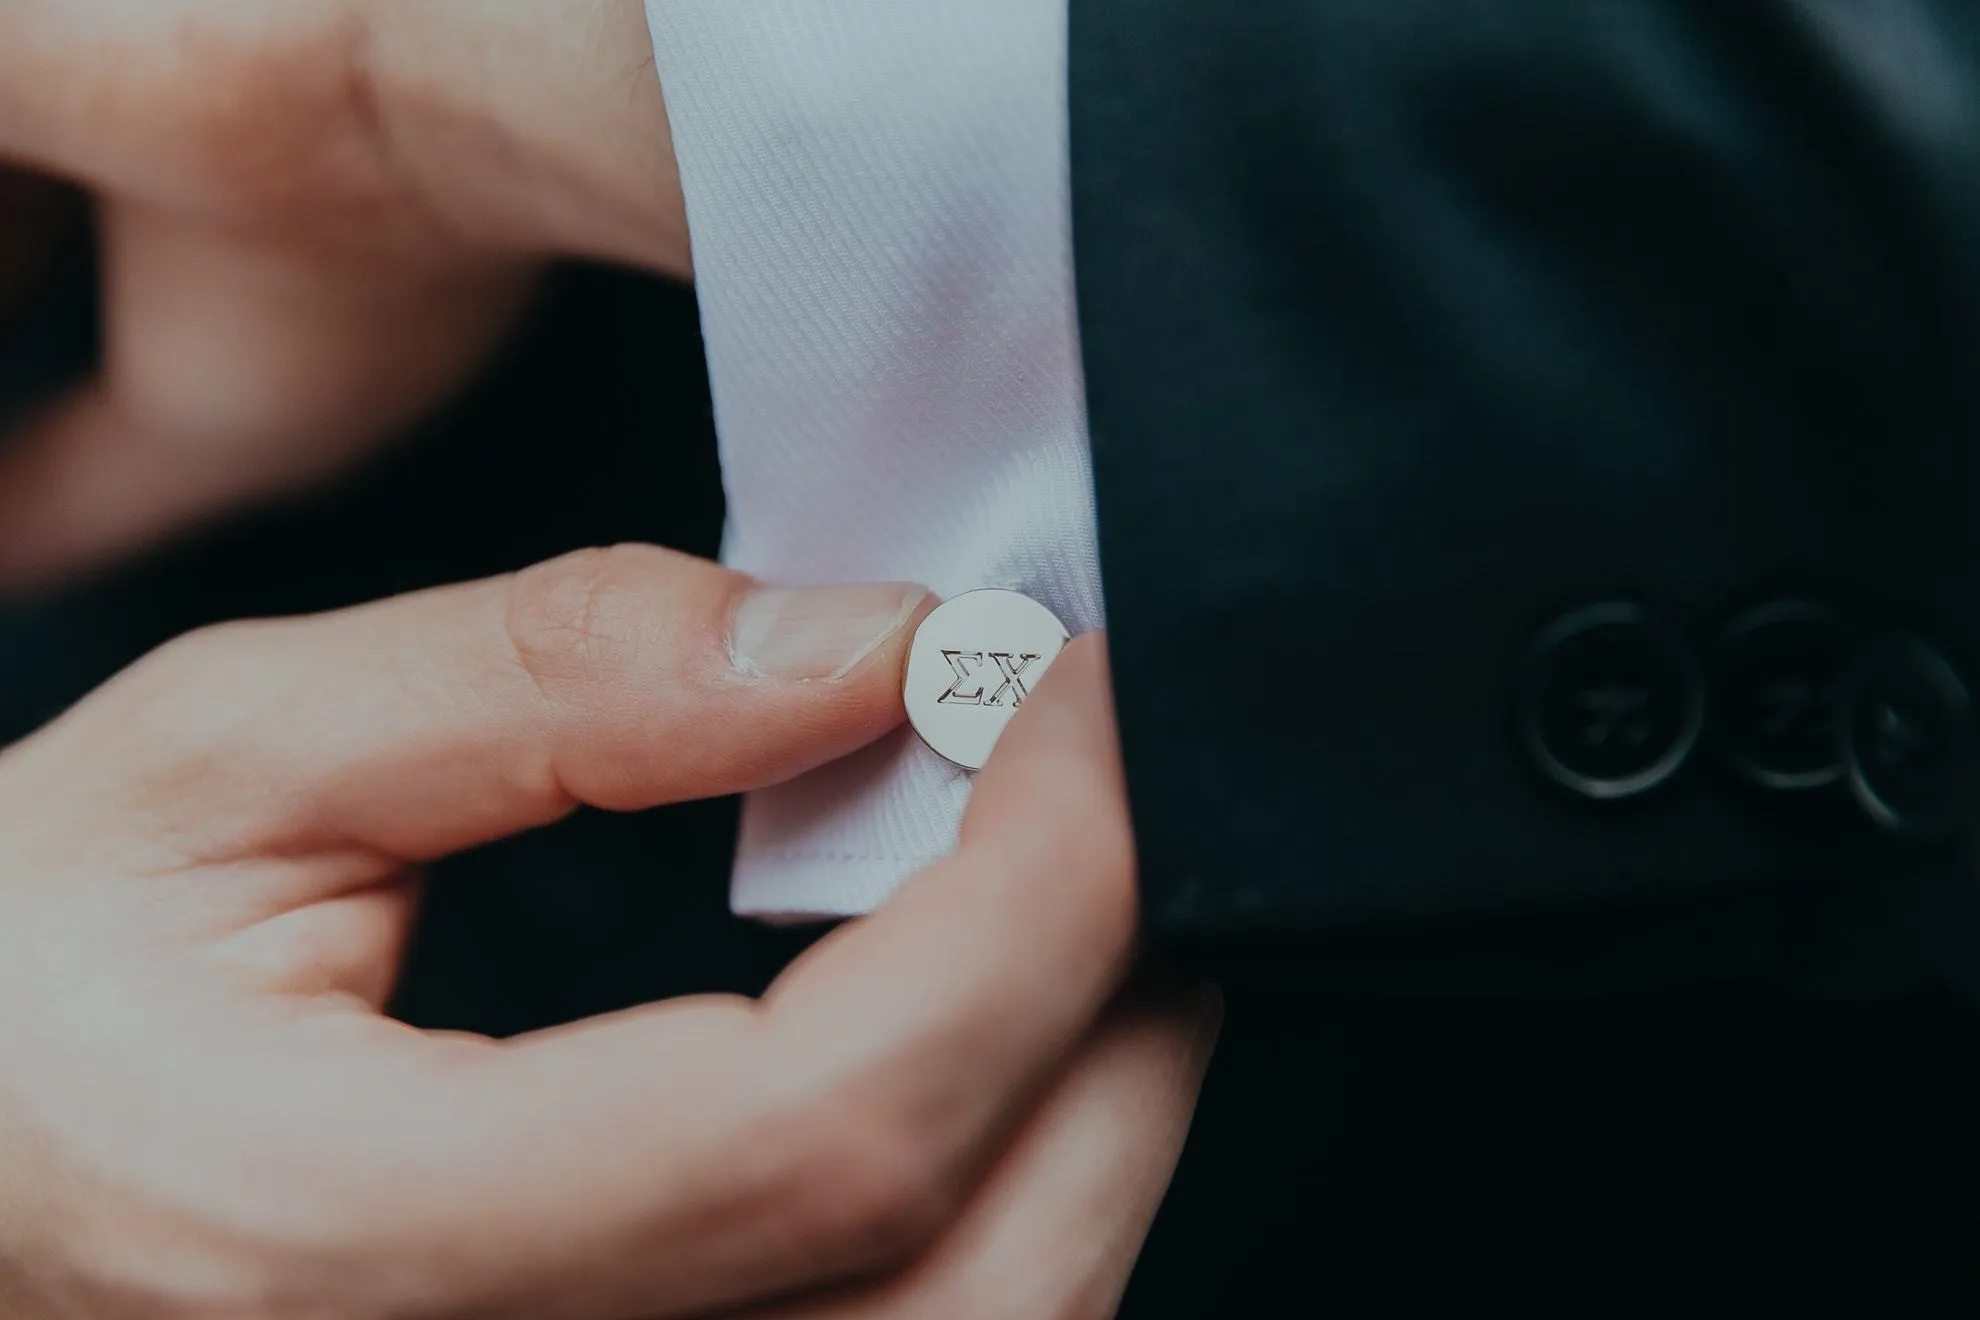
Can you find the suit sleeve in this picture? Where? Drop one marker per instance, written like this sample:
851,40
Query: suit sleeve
1536,454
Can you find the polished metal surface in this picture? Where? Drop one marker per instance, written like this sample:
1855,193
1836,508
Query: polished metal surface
973,662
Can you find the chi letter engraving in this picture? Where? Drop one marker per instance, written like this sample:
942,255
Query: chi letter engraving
1012,668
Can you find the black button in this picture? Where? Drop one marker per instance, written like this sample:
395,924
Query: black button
1779,675
1612,705
1908,740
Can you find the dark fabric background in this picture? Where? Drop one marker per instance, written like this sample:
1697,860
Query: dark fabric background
1353,1157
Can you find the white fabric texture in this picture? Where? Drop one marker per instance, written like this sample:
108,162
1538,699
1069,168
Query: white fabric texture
879,197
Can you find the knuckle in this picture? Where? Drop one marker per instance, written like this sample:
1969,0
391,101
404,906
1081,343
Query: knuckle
316,154
576,616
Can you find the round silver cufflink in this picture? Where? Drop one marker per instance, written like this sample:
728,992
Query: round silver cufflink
972,663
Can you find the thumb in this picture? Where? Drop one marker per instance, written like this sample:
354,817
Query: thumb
625,678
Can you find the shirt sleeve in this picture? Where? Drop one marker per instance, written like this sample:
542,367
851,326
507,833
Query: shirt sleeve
879,200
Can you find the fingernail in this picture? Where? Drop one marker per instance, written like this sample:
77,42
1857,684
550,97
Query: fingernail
816,632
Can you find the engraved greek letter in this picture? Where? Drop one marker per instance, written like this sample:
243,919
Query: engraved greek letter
1012,668
966,664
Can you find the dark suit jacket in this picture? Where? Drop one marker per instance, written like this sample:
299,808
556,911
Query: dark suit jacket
1414,329
1411,329
1539,475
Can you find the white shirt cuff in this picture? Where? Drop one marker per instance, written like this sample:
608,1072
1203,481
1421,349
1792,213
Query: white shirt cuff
878,193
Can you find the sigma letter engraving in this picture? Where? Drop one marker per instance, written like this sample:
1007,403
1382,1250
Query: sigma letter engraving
967,690
974,661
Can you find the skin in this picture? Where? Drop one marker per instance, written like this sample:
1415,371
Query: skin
318,218
958,1106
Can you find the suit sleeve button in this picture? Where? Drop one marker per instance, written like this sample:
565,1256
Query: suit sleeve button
1909,739
1612,705
1778,679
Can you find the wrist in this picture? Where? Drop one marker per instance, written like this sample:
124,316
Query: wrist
537,128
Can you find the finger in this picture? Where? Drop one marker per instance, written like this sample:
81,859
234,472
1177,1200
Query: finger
236,368
720,1152
621,678
1056,1229
350,943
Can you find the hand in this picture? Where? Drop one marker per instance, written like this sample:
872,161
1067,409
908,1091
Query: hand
211,868
318,218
